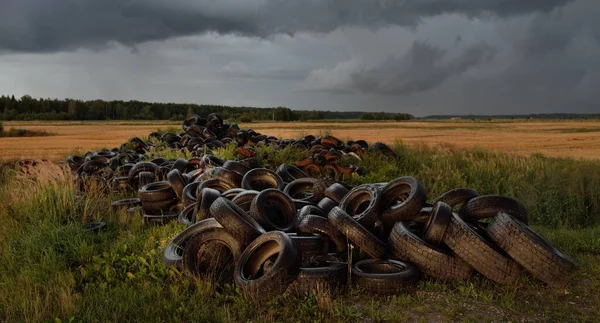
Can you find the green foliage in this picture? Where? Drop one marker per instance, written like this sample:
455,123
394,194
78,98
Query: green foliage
245,118
28,108
1,129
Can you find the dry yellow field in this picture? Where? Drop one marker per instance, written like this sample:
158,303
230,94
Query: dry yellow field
578,139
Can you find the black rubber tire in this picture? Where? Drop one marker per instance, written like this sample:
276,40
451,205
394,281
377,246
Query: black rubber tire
483,255
311,209
326,204
217,184
336,192
260,179
188,196
209,161
488,206
310,245
236,167
156,192
159,207
145,178
227,175
363,204
250,274
232,193
274,210
244,199
206,197
187,216
126,203
316,224
434,261
385,277
536,254
173,253
357,234
141,167
241,225
94,226
457,197
301,189
435,227
411,194
323,272
177,181
212,254
181,165
289,173
160,219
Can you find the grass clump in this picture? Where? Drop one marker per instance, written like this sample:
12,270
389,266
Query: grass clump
18,132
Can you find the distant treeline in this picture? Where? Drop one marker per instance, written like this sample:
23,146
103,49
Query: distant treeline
28,108
566,116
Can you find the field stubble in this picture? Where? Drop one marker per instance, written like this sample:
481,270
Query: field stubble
577,139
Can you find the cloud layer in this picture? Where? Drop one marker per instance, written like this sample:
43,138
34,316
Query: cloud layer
417,56
41,25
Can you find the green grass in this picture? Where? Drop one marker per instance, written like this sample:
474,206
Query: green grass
52,269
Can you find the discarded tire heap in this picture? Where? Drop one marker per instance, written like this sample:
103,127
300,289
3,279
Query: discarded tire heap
277,231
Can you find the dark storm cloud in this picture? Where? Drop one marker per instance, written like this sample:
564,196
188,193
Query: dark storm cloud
45,26
421,68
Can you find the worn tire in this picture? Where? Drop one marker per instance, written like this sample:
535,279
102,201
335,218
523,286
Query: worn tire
301,189
177,182
260,179
434,261
212,254
411,195
188,196
483,255
187,216
336,192
274,210
250,274
235,220
244,199
157,191
384,277
536,254
437,223
310,245
326,204
357,234
316,224
173,252
320,273
457,197
126,203
289,173
216,183
206,197
363,204
488,206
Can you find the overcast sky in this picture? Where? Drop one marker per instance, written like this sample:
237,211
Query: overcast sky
416,56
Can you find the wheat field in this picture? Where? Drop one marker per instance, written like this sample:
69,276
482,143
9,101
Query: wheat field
577,139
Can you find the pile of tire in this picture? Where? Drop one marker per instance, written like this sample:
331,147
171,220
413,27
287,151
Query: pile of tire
298,227
281,231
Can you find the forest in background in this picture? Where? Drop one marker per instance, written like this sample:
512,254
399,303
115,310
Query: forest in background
28,108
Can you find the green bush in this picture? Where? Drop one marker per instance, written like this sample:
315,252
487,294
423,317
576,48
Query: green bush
245,118
1,129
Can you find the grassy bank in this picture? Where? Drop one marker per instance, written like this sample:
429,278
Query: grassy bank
50,268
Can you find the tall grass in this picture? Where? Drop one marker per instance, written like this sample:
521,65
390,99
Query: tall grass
52,269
